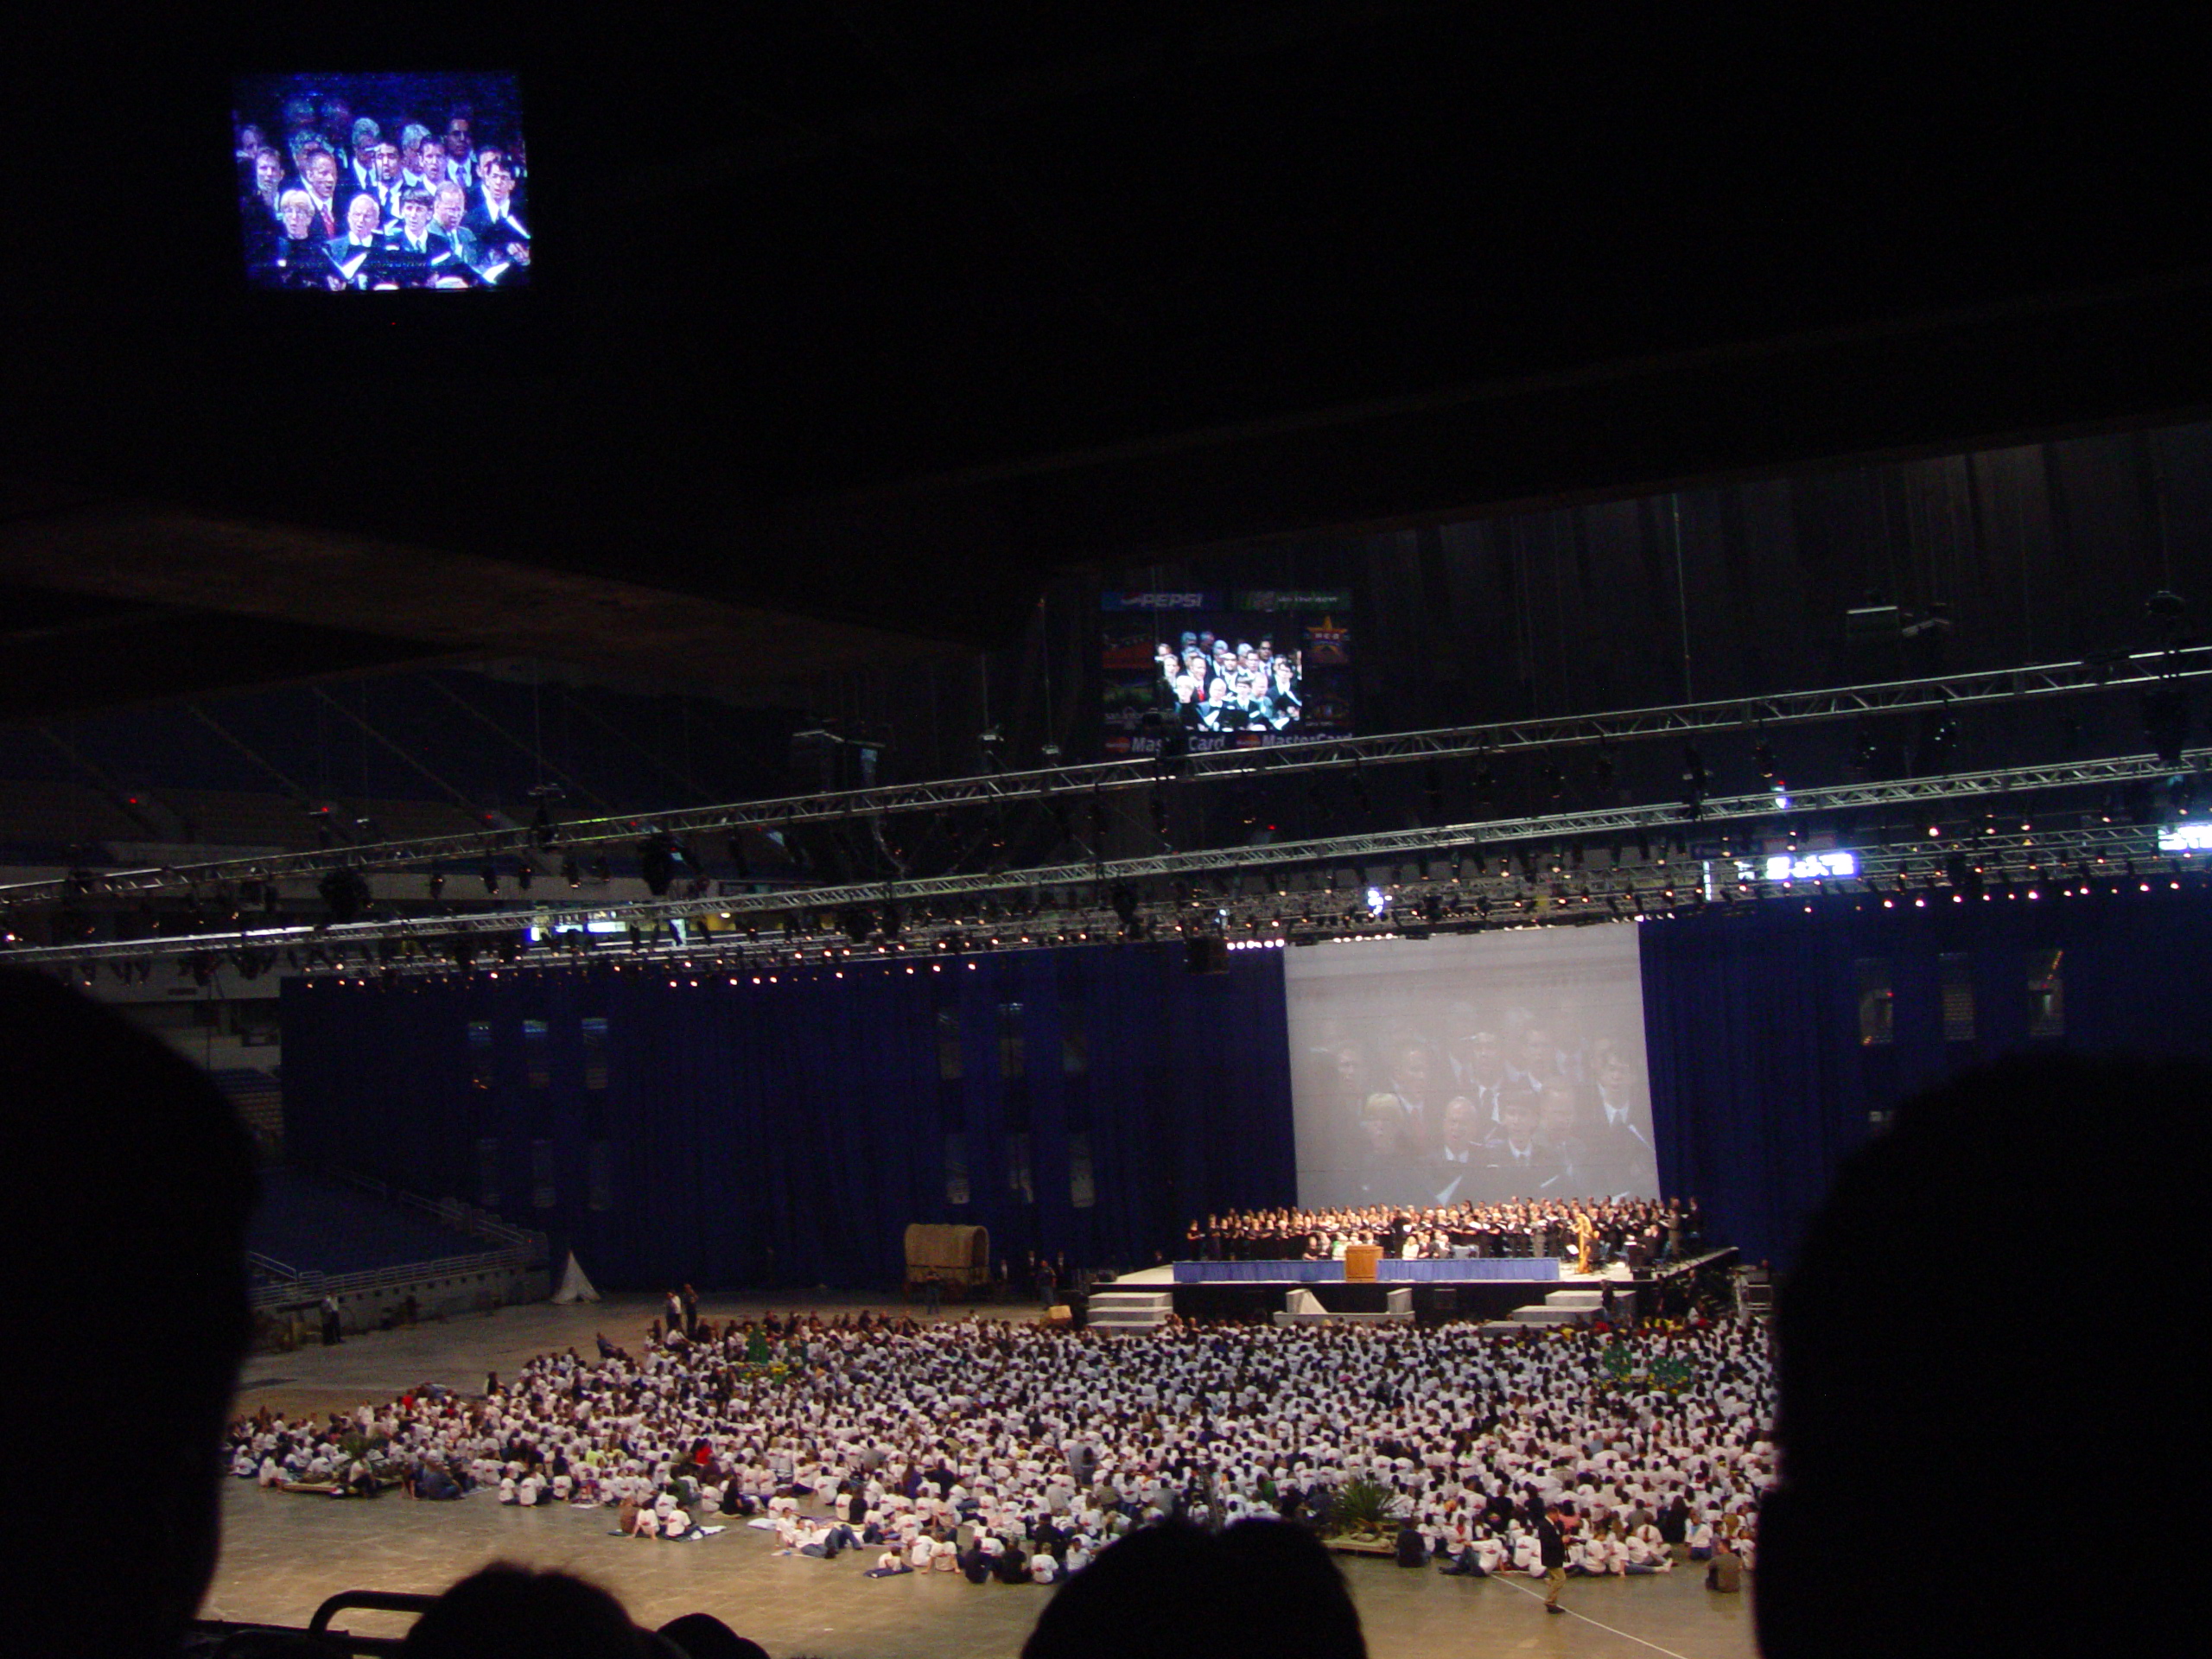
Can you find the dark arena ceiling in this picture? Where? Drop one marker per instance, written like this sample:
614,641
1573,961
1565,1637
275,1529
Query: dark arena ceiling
853,324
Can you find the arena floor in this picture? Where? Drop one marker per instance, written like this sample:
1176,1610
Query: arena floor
284,1552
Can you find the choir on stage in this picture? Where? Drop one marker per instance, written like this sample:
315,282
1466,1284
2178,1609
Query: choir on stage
1638,1232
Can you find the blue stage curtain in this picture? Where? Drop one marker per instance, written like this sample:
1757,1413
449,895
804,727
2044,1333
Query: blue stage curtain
786,1134
1762,1083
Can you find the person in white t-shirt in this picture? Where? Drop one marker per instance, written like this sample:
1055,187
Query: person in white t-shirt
1647,1555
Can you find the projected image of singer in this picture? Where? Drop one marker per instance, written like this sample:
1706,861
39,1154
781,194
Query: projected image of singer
1478,1067
296,258
1460,1153
448,209
415,255
354,255
1388,1167
1518,1162
318,170
1617,1122
496,221
1408,1058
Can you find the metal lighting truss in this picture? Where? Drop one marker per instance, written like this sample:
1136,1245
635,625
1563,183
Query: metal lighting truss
1040,884
1073,782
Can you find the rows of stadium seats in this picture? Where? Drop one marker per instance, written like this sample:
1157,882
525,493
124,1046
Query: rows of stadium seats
324,1226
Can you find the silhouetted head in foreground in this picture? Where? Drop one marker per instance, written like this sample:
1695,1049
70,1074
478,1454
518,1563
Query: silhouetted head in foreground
1259,1590
701,1635
125,1182
504,1612
1998,1304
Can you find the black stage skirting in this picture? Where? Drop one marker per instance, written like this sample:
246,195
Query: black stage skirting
1488,1299
1434,1303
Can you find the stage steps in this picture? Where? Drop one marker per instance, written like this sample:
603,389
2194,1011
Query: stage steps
1306,1308
1129,1310
1559,1308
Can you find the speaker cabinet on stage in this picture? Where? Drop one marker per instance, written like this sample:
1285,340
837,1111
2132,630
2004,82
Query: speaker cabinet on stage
1204,956
1360,1261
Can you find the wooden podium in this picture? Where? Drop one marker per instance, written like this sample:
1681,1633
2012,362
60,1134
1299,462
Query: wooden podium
1359,1263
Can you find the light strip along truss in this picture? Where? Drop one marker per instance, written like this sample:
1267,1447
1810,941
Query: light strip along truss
2014,857
1668,818
1900,871
1075,782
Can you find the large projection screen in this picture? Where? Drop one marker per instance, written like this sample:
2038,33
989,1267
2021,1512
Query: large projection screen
1484,1067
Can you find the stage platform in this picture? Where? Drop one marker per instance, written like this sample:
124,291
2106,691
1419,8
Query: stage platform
1489,1288
1458,1270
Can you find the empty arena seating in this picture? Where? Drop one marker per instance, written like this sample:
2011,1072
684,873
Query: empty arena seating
313,1224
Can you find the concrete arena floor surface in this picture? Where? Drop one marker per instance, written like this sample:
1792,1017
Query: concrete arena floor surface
284,1552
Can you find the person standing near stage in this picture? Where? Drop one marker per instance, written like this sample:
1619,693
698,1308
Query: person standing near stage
1551,1550
1586,1249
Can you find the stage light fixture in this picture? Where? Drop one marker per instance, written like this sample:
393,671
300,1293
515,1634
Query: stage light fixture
657,862
345,894
489,875
2166,721
1696,780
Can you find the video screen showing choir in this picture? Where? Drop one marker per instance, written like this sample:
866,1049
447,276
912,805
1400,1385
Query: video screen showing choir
1487,1069
1216,671
367,183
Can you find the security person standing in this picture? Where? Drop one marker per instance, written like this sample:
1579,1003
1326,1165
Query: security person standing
1551,1545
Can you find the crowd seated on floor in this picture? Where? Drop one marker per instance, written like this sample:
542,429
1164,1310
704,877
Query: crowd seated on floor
1016,1451
1637,1230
